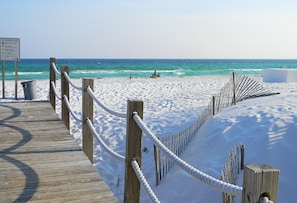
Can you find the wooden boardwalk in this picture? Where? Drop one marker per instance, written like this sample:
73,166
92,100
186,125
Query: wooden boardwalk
41,162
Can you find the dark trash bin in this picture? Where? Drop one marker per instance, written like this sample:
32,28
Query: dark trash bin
29,88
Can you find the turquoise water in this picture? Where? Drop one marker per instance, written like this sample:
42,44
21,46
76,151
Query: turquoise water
38,69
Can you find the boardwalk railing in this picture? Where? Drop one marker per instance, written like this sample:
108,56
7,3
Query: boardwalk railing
257,179
237,89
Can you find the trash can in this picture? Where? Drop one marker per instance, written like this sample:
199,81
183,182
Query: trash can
29,88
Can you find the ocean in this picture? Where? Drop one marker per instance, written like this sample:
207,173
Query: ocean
38,69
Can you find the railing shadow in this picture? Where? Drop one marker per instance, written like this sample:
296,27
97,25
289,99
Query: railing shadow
32,179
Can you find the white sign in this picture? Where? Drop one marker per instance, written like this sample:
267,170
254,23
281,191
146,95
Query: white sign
10,49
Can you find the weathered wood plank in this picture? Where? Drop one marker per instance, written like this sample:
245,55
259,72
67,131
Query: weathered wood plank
41,162
133,151
260,181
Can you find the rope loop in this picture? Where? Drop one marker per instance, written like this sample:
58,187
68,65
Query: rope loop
71,83
55,69
265,198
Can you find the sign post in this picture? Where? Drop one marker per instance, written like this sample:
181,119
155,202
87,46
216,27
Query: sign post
3,80
10,51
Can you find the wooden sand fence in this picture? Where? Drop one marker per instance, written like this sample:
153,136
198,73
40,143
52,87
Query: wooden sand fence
260,181
233,164
237,89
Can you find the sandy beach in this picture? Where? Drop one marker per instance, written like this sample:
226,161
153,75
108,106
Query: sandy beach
267,126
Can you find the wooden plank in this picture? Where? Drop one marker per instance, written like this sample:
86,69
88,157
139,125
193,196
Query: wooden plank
41,162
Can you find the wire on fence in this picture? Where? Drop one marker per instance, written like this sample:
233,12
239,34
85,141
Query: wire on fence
121,115
71,83
70,109
54,89
207,179
143,181
102,143
55,69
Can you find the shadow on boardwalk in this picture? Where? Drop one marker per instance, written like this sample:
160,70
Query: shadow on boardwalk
39,160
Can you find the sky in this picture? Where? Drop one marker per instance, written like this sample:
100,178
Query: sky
255,29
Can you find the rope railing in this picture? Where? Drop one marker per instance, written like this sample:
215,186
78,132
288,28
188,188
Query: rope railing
71,83
55,69
91,93
70,109
103,144
88,121
54,89
143,181
205,178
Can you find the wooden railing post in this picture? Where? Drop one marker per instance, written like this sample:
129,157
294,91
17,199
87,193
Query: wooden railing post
133,151
65,91
87,111
3,79
52,96
260,180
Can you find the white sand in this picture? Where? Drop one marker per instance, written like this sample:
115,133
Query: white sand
267,126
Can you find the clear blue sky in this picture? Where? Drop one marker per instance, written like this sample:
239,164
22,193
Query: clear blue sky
152,28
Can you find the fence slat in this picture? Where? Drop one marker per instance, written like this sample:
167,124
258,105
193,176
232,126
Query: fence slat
157,164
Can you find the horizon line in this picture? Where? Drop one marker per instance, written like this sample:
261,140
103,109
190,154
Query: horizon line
166,58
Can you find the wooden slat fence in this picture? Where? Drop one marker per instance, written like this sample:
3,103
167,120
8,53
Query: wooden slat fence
177,145
237,89
233,164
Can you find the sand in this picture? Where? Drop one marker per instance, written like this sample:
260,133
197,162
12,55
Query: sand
267,126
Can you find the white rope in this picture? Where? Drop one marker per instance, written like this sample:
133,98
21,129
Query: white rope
207,179
110,151
265,200
143,181
121,115
70,109
54,89
55,69
71,83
